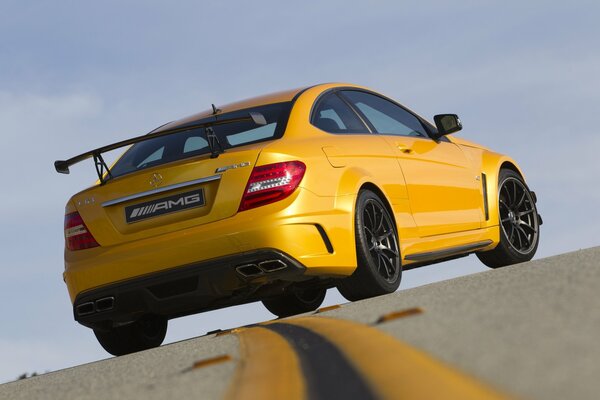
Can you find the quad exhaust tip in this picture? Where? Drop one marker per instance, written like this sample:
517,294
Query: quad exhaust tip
272,265
91,307
86,308
105,304
262,268
249,270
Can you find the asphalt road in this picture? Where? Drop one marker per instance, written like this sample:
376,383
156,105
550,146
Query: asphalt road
528,331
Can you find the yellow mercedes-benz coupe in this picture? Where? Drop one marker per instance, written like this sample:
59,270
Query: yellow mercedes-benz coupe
278,198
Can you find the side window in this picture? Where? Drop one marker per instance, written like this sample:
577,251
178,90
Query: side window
334,116
385,116
155,156
194,143
254,134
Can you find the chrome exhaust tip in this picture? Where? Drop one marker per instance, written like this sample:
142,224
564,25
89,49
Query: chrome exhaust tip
105,304
272,265
85,308
249,270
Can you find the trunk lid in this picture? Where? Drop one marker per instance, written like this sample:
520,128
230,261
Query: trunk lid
168,197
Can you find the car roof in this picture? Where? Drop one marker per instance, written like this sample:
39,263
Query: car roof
271,98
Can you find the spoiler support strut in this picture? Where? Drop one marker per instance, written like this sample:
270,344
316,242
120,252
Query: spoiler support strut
62,166
101,167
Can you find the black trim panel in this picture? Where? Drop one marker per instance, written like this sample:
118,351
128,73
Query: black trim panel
431,255
485,196
430,262
165,205
325,238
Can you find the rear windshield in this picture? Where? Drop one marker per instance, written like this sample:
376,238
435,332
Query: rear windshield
192,143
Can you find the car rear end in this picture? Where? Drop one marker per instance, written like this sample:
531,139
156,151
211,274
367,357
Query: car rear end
175,229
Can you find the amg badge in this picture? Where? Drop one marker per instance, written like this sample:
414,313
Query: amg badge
165,205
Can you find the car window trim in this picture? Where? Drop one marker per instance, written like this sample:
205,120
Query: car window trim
360,116
423,123
322,97
430,129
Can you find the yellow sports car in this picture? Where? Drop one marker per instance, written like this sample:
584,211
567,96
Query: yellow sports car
278,198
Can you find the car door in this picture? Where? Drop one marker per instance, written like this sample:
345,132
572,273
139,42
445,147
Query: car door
443,189
353,145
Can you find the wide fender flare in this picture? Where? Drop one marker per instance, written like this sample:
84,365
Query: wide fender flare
350,183
492,163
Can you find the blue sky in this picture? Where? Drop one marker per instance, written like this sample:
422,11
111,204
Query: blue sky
76,75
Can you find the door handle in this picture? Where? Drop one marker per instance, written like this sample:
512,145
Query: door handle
404,149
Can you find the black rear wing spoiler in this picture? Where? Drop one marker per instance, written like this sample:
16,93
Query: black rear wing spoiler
62,166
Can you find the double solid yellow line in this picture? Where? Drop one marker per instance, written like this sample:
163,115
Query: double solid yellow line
283,360
268,368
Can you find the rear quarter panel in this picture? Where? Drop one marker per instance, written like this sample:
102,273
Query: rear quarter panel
339,165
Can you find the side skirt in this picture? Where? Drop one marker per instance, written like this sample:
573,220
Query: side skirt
430,262
431,257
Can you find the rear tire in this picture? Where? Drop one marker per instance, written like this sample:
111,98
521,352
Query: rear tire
519,223
295,301
379,268
146,333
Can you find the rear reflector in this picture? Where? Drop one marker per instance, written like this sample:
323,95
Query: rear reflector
77,236
271,183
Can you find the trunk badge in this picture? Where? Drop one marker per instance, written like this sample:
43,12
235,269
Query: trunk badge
86,201
233,166
155,180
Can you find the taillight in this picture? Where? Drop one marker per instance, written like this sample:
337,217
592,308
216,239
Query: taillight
271,183
77,236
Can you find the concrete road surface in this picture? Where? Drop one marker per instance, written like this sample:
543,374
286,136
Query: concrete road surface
526,331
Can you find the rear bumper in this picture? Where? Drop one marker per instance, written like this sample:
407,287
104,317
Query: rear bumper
311,229
209,285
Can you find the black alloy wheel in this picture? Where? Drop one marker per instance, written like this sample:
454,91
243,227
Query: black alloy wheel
519,223
518,215
379,268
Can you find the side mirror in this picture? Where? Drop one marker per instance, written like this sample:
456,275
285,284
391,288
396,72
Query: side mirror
447,124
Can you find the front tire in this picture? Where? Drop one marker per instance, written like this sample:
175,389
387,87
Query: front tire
295,301
519,223
379,268
146,333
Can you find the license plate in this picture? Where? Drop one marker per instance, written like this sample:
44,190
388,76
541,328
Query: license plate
165,205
